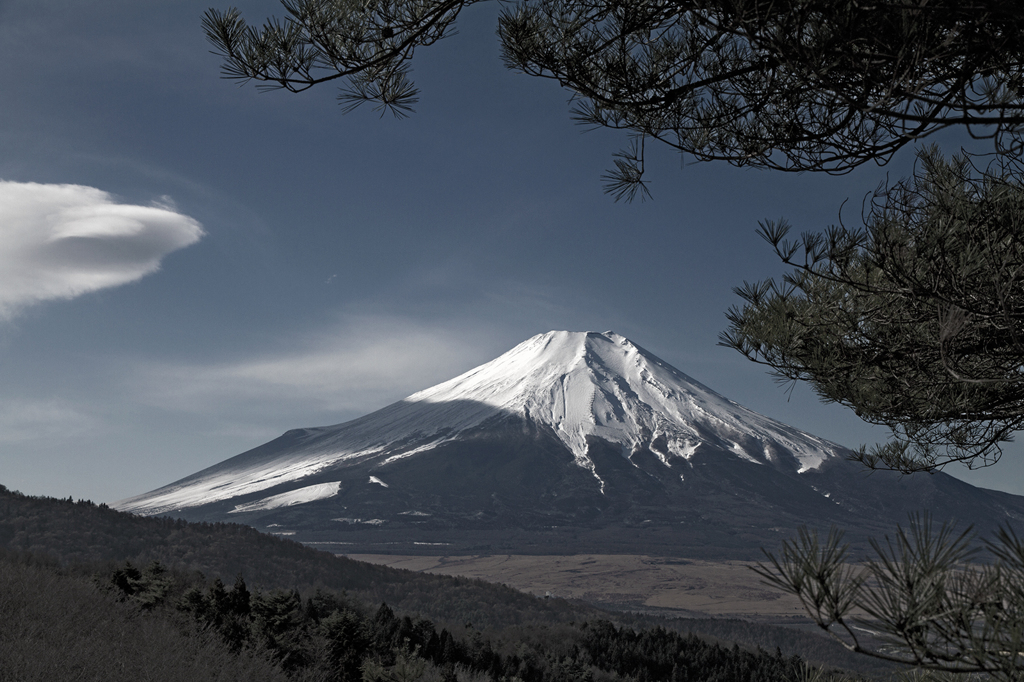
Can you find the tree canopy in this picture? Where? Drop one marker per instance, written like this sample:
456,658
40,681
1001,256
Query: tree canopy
794,85
915,319
920,601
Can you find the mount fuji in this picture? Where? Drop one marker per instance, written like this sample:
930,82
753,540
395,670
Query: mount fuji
570,442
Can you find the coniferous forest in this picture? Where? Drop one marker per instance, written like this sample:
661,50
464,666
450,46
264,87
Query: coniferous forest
87,592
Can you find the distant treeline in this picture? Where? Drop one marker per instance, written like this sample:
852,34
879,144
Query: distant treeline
312,615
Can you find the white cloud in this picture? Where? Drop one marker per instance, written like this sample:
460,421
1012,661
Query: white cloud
28,421
364,363
62,241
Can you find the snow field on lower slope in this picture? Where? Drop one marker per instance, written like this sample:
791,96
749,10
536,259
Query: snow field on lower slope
310,493
223,483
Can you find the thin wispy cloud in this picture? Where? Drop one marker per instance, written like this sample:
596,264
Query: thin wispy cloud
28,421
62,241
361,364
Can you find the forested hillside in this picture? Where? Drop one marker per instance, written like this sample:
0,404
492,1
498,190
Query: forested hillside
269,596
151,623
56,625
84,533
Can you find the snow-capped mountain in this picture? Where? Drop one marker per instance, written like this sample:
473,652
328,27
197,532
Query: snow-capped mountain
577,384
568,430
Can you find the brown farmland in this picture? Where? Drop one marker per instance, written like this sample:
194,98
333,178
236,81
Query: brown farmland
634,582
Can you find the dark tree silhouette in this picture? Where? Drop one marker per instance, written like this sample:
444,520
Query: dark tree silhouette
792,85
915,319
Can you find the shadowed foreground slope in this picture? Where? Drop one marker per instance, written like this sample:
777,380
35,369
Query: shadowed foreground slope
57,626
84,533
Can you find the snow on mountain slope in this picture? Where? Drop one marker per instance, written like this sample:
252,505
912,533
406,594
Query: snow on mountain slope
589,384
317,491
578,384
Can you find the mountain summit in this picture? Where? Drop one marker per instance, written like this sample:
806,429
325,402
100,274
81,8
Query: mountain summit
585,384
570,437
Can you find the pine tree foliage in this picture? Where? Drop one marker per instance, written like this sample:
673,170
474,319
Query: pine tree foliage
915,319
367,43
793,85
922,596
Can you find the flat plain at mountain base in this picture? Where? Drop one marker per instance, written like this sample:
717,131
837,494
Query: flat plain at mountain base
633,582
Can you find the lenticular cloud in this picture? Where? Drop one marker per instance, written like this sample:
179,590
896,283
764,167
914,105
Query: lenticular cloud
62,241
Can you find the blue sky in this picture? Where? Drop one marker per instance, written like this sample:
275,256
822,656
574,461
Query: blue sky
189,268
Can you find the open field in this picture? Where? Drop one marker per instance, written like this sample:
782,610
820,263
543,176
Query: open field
636,582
